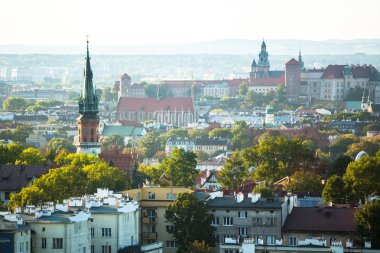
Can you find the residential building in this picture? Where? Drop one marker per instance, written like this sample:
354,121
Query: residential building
36,140
15,237
58,231
184,143
88,121
211,145
15,177
171,111
217,90
241,217
31,120
326,225
153,201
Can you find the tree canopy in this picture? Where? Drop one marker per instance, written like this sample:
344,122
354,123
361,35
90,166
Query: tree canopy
368,221
191,222
233,172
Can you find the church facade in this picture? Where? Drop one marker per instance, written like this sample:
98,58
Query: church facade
177,112
88,121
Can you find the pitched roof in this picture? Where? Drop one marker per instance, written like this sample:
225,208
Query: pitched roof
211,141
15,177
271,81
154,104
333,72
321,219
292,62
124,131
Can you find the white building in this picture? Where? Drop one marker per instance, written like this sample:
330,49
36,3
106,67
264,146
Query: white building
217,90
14,235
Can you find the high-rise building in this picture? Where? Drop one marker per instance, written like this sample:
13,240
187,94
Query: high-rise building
88,121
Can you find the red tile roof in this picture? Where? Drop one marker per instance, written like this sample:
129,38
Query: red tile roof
268,81
315,219
130,123
292,62
154,104
333,72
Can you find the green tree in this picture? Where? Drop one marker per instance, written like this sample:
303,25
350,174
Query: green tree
103,176
243,89
179,169
9,154
21,133
15,104
368,221
220,133
339,165
57,144
175,133
362,177
151,143
136,177
191,222
334,190
79,159
233,172
201,155
229,103
305,181
113,142
239,137
354,94
150,90
30,156
340,145
276,157
370,147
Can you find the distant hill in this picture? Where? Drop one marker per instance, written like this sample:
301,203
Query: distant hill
228,46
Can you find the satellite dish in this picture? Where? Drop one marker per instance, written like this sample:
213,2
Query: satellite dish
360,155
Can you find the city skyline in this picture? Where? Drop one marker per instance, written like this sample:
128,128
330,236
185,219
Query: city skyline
117,22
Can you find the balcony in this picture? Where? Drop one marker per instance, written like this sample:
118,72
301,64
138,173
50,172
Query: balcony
149,236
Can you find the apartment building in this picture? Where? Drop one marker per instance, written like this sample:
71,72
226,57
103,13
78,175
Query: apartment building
14,235
153,201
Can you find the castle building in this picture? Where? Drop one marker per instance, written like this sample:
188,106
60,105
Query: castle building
261,79
293,79
88,121
127,89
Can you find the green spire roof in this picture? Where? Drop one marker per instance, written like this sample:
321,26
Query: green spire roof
88,100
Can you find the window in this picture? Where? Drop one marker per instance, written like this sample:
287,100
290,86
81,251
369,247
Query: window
92,249
271,239
43,229
228,221
43,243
243,231
106,249
151,195
292,241
7,195
174,196
215,221
57,243
271,222
257,221
151,213
106,232
170,244
92,232
242,214
92,131
169,228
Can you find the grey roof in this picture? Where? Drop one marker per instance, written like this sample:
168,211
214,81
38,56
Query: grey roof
211,141
56,217
15,177
103,210
230,202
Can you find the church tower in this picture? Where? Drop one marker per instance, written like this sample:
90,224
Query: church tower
300,61
88,121
263,64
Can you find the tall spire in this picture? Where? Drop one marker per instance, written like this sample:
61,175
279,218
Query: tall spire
88,101
302,66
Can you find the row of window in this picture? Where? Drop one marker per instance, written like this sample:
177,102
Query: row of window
257,221
106,232
169,196
57,243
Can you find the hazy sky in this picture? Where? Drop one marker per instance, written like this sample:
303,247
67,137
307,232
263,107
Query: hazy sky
128,22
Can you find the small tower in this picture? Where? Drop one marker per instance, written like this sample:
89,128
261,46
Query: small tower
125,85
88,121
263,64
269,115
300,61
365,99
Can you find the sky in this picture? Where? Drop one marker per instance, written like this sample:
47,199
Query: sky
140,22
